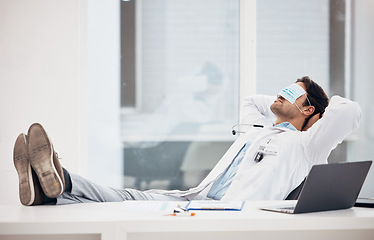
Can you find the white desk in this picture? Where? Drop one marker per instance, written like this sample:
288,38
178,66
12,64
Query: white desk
110,221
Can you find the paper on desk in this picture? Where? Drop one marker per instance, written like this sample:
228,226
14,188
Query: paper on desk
149,206
215,205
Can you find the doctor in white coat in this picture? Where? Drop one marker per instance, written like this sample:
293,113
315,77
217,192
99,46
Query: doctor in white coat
287,148
281,138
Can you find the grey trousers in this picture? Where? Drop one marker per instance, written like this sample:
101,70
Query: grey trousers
85,191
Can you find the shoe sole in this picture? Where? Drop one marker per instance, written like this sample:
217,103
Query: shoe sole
41,159
23,168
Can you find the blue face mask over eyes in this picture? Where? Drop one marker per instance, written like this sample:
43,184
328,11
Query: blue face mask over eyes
292,92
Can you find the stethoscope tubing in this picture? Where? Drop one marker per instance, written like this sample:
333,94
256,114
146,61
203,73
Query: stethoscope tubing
234,132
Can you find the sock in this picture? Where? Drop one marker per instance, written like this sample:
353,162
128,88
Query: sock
68,185
49,201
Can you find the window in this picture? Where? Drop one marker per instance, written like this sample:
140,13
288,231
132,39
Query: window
180,97
298,38
323,39
292,41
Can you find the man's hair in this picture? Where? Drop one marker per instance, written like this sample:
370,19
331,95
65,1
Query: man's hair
316,96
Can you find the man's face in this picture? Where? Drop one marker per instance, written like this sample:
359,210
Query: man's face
285,109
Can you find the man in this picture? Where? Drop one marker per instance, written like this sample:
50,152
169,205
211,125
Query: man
281,140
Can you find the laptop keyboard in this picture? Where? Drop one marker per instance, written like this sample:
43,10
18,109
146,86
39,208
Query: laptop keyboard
288,208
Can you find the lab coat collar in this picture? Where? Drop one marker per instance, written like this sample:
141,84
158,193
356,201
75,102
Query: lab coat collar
287,125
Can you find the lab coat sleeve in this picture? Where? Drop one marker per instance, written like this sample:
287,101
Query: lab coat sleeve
340,119
256,110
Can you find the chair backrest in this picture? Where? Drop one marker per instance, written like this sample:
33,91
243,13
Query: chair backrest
294,195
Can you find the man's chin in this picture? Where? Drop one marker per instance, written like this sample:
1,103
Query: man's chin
276,109
273,108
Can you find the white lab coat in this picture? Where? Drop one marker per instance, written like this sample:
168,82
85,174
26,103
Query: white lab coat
292,153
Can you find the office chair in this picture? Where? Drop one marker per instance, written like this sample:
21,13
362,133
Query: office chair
161,162
294,195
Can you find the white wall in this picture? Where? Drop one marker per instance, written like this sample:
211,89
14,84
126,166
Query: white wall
39,71
45,76
363,85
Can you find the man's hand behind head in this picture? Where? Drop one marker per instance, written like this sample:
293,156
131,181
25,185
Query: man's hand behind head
311,121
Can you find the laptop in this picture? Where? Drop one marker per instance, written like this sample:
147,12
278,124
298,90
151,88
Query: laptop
365,202
331,186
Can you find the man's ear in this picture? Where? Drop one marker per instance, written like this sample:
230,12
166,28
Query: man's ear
309,110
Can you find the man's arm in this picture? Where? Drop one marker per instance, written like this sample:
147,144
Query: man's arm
341,118
256,110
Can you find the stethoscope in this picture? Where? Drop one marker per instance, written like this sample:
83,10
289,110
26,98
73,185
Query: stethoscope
262,151
260,154
237,125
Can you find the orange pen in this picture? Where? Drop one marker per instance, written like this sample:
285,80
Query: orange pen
181,214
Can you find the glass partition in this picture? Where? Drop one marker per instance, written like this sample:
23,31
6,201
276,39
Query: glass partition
179,89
